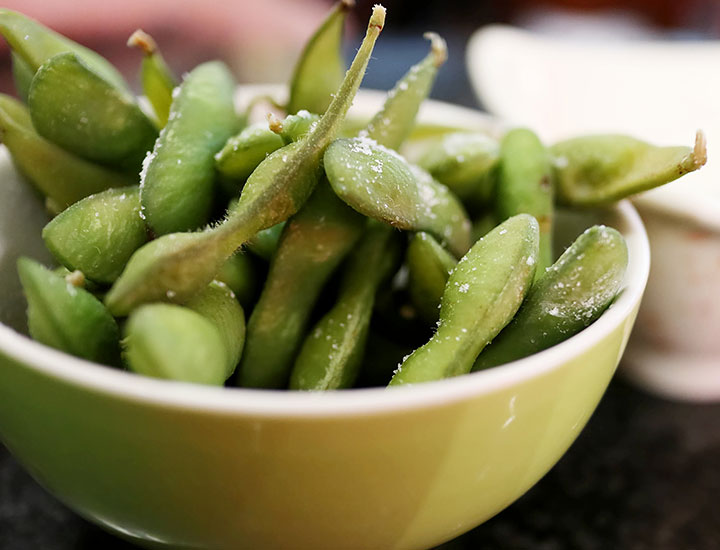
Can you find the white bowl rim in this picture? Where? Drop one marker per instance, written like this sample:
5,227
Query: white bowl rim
120,384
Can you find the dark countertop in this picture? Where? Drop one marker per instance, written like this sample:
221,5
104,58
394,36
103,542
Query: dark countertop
644,474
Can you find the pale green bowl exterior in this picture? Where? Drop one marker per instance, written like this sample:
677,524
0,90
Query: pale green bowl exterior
174,465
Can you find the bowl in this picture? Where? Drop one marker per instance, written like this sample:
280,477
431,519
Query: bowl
660,91
173,465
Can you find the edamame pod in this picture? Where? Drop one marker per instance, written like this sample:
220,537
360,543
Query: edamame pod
394,122
242,153
379,183
319,71
158,81
59,175
174,267
293,127
593,170
525,186
332,352
22,75
429,266
175,343
35,44
177,181
218,304
80,111
465,162
570,296
482,295
98,234
67,317
312,245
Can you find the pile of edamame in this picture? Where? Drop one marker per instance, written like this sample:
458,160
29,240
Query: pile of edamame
176,218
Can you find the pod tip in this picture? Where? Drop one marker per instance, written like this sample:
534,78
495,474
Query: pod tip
347,5
438,47
377,19
700,149
274,123
141,39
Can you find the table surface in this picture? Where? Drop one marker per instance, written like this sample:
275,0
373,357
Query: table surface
644,474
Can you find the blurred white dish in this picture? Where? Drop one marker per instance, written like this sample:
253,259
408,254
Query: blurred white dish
655,90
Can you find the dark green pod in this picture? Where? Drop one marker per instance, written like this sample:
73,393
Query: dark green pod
66,317
594,170
321,66
80,111
429,266
177,181
570,296
312,245
525,186
175,343
98,234
35,44
482,295
158,81
59,175
333,350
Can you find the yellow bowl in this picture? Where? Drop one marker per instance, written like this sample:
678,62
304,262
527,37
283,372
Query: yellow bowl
175,465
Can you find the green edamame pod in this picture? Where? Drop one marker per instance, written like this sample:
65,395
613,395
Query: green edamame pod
218,304
293,127
22,75
394,122
175,343
80,111
158,81
67,317
265,243
177,181
482,295
465,162
320,69
176,266
98,234
570,296
35,44
312,245
429,266
379,183
332,352
240,274
525,186
242,153
59,175
593,170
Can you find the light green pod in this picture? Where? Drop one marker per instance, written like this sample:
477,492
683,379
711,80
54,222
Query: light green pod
379,183
218,304
80,111
595,170
35,44
312,245
241,274
98,234
320,69
59,175
465,162
177,181
175,343
570,296
158,81
265,243
66,317
176,266
245,151
482,295
429,266
525,186
22,75
394,122
293,127
332,353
